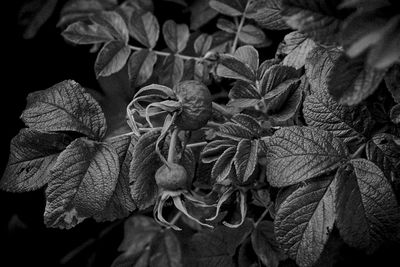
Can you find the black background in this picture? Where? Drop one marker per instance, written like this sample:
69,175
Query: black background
30,65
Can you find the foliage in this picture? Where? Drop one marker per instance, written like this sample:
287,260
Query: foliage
270,155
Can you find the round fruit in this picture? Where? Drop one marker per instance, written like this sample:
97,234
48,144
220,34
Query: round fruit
172,177
196,102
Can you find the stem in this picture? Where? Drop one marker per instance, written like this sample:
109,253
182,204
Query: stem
172,145
196,144
221,110
166,54
121,135
262,216
176,217
243,18
358,152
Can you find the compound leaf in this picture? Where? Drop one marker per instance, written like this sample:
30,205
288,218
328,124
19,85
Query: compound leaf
367,211
65,106
145,29
32,155
304,220
144,165
295,154
140,67
83,180
176,36
83,33
111,58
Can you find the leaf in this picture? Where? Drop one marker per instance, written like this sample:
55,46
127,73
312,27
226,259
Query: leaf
367,212
176,36
231,67
229,7
318,20
383,150
296,154
277,75
82,33
201,13
267,14
392,81
361,31
223,165
172,71
83,180
243,95
285,106
145,29
253,35
202,44
111,58
248,55
32,155
386,53
351,124
144,165
34,14
139,233
215,248
64,107
245,159
114,23
304,220
350,81
166,250
140,67
395,114
235,131
226,26
295,47
121,203
265,245
213,150
249,122
75,10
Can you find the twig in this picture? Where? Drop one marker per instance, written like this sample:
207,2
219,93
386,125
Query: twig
166,54
359,151
262,216
239,29
196,144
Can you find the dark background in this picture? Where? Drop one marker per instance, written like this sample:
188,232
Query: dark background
30,65
36,64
